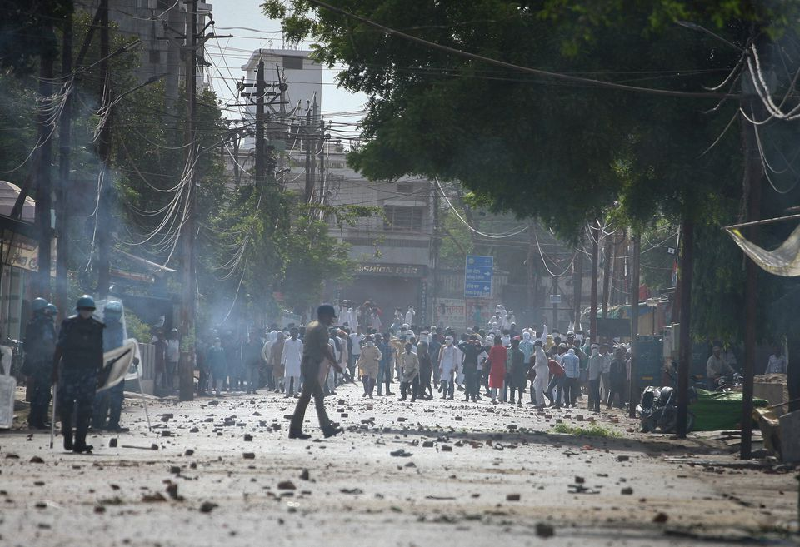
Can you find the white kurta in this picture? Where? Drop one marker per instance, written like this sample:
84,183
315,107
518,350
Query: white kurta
292,355
449,364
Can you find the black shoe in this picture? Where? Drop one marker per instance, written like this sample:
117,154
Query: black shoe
332,432
299,435
80,448
117,429
388,393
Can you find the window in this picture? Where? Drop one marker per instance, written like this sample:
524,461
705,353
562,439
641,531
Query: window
403,219
292,62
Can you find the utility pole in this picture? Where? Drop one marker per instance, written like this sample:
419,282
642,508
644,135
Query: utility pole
321,152
64,157
594,233
555,303
189,282
754,172
577,288
685,339
104,151
435,254
609,257
309,190
260,91
531,271
44,190
633,391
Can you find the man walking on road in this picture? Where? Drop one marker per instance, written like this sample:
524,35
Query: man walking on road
315,349
572,371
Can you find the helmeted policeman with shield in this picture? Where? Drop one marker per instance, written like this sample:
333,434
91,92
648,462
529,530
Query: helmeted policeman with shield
79,351
40,342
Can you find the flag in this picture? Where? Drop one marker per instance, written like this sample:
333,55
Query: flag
783,261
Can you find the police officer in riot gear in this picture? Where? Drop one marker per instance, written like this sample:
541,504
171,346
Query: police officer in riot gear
40,342
110,400
79,351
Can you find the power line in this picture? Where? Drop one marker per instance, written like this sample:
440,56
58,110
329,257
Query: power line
519,68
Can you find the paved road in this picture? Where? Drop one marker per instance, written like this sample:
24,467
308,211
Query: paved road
468,475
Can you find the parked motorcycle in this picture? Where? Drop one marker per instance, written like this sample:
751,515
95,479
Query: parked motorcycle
658,409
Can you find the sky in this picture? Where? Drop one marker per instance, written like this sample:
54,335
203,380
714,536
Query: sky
251,30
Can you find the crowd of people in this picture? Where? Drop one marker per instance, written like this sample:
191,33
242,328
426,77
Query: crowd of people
499,362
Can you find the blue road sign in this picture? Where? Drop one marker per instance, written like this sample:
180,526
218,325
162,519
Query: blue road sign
478,277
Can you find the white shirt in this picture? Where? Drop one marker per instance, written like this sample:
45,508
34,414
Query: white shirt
540,362
356,339
776,365
410,317
292,356
173,351
449,362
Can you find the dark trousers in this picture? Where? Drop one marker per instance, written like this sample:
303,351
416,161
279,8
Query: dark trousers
618,389
594,394
471,383
410,385
369,384
202,381
40,399
384,377
448,387
571,390
77,389
515,389
425,373
311,388
557,383
269,378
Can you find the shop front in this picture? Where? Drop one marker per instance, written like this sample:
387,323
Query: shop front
389,286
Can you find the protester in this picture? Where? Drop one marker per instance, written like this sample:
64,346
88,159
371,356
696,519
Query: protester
448,365
276,358
385,370
777,362
217,363
291,360
497,371
172,354
368,365
618,376
519,372
355,352
595,372
315,350
572,366
471,349
252,362
425,368
410,378
557,382
541,371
